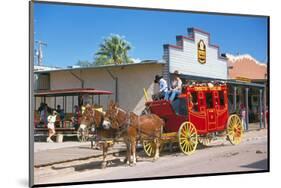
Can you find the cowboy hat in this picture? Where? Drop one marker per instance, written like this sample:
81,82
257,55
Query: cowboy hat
157,78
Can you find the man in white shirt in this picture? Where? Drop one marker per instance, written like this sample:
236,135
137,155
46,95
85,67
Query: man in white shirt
163,86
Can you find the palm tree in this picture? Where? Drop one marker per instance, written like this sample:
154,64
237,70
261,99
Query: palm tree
114,50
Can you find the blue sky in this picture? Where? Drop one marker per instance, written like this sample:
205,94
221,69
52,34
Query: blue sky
74,32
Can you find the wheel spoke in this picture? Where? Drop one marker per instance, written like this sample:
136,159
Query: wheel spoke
188,147
184,146
231,121
149,148
192,129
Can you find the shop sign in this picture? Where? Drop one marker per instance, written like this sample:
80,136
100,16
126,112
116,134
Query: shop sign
201,52
242,79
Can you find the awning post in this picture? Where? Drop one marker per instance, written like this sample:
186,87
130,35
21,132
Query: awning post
260,108
234,98
247,108
265,120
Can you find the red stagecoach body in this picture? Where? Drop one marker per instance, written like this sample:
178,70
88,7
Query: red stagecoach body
205,107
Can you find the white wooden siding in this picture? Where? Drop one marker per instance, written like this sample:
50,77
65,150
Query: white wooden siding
185,60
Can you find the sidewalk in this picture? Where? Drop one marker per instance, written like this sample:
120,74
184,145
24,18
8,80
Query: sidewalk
254,126
43,146
54,153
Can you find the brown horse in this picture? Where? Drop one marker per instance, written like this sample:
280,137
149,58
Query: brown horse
94,119
134,128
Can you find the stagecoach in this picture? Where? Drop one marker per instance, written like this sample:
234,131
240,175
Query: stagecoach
199,115
67,99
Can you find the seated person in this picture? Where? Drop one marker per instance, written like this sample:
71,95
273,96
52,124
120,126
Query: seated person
163,88
76,116
43,112
176,88
193,103
60,113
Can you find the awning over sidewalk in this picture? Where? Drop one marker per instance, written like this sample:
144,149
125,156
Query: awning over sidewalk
71,92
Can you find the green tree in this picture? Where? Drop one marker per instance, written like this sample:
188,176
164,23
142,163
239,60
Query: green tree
113,50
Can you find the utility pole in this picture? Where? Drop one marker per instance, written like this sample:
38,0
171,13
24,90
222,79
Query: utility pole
39,53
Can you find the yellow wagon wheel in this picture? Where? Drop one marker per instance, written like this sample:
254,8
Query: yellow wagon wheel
234,129
188,138
82,134
149,147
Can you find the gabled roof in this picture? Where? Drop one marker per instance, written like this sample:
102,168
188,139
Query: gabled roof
142,63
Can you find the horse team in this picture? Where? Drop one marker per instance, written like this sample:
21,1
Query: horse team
118,125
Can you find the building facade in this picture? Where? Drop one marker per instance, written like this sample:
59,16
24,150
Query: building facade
194,56
126,82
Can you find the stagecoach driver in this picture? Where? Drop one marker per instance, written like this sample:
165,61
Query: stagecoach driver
176,87
51,125
163,86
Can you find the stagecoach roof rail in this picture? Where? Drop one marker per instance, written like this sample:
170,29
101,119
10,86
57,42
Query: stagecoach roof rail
223,82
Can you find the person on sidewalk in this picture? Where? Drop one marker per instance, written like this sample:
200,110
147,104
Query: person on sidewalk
51,126
243,116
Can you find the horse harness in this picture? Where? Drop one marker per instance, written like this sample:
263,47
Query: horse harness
127,123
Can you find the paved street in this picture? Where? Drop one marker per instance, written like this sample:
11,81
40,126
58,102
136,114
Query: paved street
250,155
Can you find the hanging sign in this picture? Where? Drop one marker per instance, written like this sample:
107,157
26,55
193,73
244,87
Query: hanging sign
201,52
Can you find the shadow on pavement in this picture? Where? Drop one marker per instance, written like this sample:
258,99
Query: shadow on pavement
259,165
91,165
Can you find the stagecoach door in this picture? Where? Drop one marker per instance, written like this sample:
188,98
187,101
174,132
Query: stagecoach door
211,111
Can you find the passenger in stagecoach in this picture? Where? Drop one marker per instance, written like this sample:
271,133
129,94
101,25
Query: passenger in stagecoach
176,87
163,88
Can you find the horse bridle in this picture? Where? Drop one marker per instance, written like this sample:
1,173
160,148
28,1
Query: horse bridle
96,125
125,125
